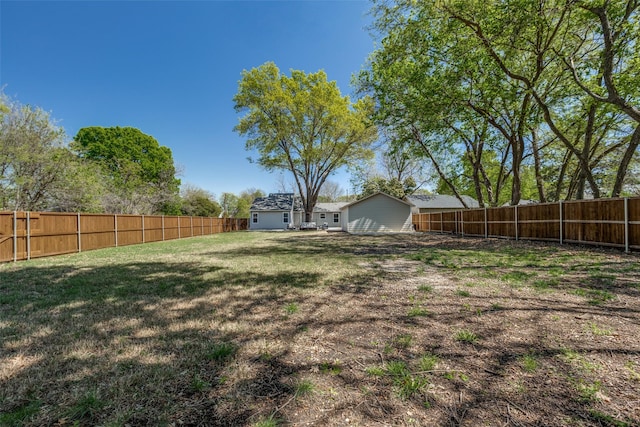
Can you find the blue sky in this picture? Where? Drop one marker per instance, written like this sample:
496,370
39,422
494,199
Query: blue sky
171,68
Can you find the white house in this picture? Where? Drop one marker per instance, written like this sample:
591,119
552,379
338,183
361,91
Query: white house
377,213
329,214
277,211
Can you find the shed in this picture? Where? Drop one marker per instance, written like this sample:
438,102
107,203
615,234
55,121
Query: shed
377,213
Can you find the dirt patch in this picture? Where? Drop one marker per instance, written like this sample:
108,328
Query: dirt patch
505,352
324,329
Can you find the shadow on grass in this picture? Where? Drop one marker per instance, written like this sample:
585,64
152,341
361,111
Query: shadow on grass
132,343
174,344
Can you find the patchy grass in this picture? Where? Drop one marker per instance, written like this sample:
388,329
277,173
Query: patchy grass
270,329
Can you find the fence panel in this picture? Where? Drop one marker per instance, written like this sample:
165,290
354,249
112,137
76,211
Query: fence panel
501,222
541,222
97,231
52,234
152,228
472,222
25,235
605,222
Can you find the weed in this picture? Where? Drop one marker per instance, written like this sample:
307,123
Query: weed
21,415
408,385
222,351
333,368
425,288
428,362
86,408
631,368
396,368
466,336
404,382
270,421
529,363
604,279
375,371
594,296
607,420
388,348
403,341
291,308
198,384
545,284
452,375
418,312
518,277
587,391
596,330
463,293
304,388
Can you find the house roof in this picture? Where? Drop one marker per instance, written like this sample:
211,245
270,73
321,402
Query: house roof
374,195
440,201
329,207
277,202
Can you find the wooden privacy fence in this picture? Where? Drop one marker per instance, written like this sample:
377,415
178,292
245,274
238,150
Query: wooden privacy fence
602,222
26,235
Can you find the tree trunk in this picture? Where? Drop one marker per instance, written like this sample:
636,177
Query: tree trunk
626,160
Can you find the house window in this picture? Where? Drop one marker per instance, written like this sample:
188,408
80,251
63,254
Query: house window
336,217
254,217
322,216
285,217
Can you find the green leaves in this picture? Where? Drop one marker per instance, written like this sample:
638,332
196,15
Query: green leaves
302,123
141,171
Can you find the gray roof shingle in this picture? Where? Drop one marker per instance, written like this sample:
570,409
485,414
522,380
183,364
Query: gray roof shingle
437,201
277,202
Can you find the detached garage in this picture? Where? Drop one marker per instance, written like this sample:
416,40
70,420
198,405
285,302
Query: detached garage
378,213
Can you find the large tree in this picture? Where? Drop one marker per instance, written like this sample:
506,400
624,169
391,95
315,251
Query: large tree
32,156
197,201
543,88
141,171
303,124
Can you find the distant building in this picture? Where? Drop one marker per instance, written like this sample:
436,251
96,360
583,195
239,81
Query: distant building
277,211
423,203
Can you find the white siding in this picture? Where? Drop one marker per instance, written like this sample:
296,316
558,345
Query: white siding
273,220
378,213
328,218
268,221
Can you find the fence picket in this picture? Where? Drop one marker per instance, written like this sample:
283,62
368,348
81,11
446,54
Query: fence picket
28,235
605,222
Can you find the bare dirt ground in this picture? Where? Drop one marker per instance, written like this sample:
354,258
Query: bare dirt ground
540,351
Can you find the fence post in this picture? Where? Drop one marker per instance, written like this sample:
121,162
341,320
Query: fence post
115,227
79,233
516,220
191,225
462,222
15,236
163,228
441,224
179,224
28,235
561,227
486,225
626,224
143,229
